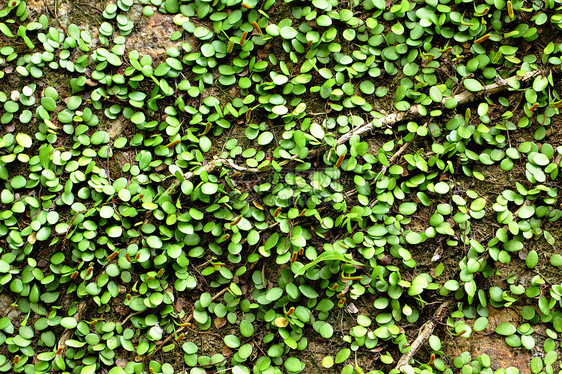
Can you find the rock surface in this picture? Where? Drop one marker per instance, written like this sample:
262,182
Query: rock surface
151,35
487,341
6,308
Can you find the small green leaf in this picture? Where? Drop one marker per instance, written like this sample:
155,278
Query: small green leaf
556,260
342,355
209,188
274,294
24,140
473,85
154,242
478,204
288,32
407,208
328,362
413,238
232,341
532,259
526,211
265,138
506,329
480,324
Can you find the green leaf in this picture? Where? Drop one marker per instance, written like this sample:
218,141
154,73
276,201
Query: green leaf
232,341
325,330
363,320
209,188
541,159
328,256
540,83
328,362
74,102
172,6
7,197
413,238
280,110
451,285
6,30
478,204
513,340
154,242
528,312
205,143
526,211
274,294
435,342
288,32
407,208
536,365
317,131
246,328
24,140
528,342
506,329
532,259
480,324
90,369
556,260
473,85
342,355
138,118
435,94
265,138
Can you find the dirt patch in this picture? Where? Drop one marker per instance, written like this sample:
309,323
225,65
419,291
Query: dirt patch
7,309
152,36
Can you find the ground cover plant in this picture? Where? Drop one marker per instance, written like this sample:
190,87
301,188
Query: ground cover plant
280,186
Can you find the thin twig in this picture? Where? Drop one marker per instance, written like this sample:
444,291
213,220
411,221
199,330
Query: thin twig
55,15
129,316
215,164
209,168
462,98
425,332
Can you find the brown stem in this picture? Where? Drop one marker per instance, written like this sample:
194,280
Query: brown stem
209,168
462,98
425,332
129,316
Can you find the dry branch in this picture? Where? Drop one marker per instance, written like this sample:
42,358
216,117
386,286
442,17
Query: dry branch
209,168
425,332
388,120
461,99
